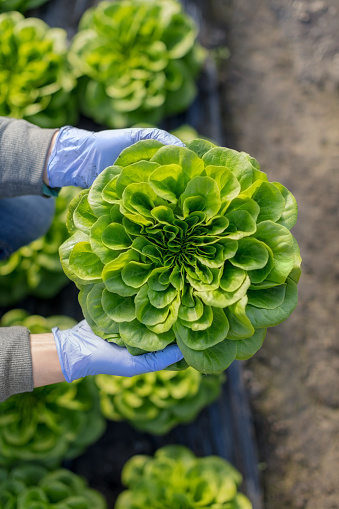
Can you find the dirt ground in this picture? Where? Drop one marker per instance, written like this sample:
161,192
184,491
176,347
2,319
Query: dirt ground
280,101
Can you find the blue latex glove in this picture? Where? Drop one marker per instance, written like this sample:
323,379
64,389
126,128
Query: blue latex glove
78,156
82,353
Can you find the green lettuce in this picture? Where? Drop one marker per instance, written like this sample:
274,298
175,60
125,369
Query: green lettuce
30,486
54,422
35,269
184,244
175,478
138,60
36,81
157,402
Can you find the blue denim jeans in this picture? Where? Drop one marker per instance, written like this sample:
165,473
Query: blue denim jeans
22,220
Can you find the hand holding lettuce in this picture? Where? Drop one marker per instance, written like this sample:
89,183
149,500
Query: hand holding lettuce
79,156
188,245
82,353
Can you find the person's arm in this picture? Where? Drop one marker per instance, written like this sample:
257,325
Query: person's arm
27,361
49,153
33,360
46,367
30,157
82,353
23,157
15,361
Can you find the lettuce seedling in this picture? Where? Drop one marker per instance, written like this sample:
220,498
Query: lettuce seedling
157,402
54,422
138,60
29,486
184,244
36,81
176,478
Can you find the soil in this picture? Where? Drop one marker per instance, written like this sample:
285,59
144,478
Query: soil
279,96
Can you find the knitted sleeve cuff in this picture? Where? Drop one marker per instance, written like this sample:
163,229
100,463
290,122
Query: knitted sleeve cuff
23,152
16,373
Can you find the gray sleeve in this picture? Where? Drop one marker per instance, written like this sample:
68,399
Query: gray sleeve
23,151
16,373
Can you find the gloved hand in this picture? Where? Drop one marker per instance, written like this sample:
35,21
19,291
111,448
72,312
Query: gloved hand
78,156
82,353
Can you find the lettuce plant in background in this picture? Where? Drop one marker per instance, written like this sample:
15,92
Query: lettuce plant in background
138,60
35,269
36,81
184,244
157,402
20,5
54,422
30,486
176,478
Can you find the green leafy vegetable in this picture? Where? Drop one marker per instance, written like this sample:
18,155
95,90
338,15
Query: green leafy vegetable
30,486
175,478
36,81
137,59
157,402
35,269
188,245
54,422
